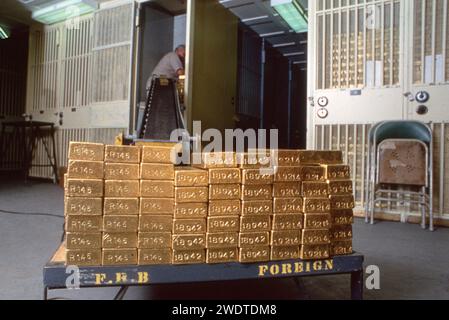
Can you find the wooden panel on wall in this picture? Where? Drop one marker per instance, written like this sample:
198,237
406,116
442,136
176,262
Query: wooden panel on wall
213,65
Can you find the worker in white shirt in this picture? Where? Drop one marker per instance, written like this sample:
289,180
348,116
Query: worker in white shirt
170,66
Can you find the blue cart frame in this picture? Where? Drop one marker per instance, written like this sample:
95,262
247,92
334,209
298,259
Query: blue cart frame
56,273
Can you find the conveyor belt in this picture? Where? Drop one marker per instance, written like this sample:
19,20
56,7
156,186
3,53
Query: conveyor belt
162,112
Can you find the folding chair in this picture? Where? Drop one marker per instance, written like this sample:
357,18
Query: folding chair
400,154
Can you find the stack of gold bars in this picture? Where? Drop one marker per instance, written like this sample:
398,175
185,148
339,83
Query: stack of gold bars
128,205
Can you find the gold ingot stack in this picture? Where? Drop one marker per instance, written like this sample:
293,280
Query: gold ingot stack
316,203
83,204
157,203
256,208
288,215
189,226
223,216
342,203
121,205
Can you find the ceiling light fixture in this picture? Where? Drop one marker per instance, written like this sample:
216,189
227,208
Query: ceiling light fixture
293,13
63,10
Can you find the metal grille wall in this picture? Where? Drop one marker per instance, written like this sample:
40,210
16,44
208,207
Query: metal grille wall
430,53
59,66
111,54
357,43
351,139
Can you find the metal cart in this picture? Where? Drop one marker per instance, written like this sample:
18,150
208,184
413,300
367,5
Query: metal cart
55,275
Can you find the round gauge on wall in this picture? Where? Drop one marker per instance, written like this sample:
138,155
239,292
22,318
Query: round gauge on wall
422,97
323,101
323,113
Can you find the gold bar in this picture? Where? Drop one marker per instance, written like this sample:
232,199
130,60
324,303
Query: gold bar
116,257
287,190
315,236
254,254
256,177
122,154
157,171
254,239
155,257
189,226
285,253
83,206
253,208
76,240
165,154
256,192
84,188
121,188
119,240
157,189
314,189
121,171
286,158
190,210
152,223
342,217
215,160
314,252
337,172
341,188
222,240
255,223
341,233
224,192
189,241
154,240
316,205
86,151
83,223
317,220
292,205
120,223
287,174
285,222
191,177
342,202
220,208
312,173
286,238
341,248
189,256
222,255
121,206
253,160
79,169
191,194
157,206
83,257
320,157
223,224
225,176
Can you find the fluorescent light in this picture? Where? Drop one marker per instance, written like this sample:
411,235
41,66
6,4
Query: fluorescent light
64,10
281,45
272,34
293,54
255,18
4,34
293,13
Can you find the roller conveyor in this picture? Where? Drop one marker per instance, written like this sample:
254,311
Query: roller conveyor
162,112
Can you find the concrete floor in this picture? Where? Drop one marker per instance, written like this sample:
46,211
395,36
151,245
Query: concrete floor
413,263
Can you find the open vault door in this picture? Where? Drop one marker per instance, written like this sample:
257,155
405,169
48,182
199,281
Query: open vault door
211,83
112,58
